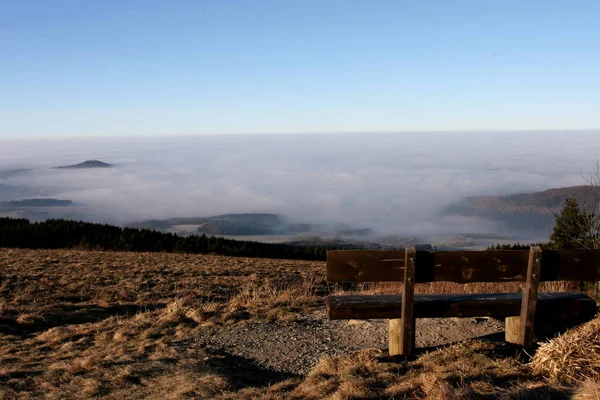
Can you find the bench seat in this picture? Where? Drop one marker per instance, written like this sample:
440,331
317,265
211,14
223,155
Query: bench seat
500,305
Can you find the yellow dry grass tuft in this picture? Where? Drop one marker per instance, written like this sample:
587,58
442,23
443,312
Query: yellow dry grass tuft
472,370
277,298
588,390
571,357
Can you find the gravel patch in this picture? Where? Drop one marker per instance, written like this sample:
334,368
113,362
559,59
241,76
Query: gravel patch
296,346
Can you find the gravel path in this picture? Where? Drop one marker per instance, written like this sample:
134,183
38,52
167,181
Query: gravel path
296,346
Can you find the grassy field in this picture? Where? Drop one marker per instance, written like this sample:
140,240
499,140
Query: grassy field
78,324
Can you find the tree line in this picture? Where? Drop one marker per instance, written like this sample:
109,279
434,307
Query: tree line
575,227
67,234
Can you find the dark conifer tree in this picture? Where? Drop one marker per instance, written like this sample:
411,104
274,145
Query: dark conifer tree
572,228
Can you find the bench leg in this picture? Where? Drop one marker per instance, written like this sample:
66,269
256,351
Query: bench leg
407,325
512,329
519,329
395,346
402,330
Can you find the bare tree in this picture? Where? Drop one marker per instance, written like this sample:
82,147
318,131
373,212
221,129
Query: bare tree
593,205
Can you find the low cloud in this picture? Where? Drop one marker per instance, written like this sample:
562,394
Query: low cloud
393,183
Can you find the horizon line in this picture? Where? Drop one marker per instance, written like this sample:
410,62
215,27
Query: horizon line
286,133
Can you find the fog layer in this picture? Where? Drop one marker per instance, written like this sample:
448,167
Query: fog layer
393,183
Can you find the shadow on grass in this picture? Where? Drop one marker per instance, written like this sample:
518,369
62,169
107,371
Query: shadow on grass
544,392
243,372
71,314
501,349
544,330
8,376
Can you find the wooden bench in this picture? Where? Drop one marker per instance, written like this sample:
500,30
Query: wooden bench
410,266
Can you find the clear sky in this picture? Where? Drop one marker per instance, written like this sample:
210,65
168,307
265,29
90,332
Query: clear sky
114,67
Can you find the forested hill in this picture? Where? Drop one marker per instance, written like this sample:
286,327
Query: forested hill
227,224
60,234
89,164
527,212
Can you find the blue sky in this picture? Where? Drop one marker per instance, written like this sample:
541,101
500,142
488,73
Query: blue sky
97,68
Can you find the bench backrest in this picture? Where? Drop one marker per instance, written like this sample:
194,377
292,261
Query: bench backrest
462,266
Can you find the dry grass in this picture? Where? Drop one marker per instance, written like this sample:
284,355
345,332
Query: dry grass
81,286
588,390
451,287
571,357
472,370
78,324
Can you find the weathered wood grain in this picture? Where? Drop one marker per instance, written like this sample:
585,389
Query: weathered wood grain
396,324
570,265
407,329
512,329
499,305
461,266
395,331
530,292
365,266
479,266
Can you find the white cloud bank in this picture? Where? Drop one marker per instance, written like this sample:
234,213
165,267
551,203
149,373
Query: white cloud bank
395,183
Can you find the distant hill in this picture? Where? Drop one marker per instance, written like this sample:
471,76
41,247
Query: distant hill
87,165
247,224
528,212
14,172
227,224
39,203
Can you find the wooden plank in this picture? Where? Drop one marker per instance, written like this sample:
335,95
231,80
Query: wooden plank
453,266
395,330
461,266
570,265
530,292
480,266
512,329
407,329
500,305
365,266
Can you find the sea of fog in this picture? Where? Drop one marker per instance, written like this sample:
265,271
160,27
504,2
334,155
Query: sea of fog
393,183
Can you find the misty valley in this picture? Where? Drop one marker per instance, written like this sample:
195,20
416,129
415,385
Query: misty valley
282,190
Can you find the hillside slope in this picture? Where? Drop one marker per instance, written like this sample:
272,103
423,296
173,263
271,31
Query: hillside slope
531,213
